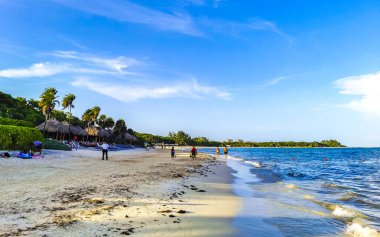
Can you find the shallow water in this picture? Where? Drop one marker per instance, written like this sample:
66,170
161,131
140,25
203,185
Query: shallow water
307,192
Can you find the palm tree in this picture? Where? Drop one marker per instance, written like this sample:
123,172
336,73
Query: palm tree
95,111
101,120
48,102
109,122
67,102
87,117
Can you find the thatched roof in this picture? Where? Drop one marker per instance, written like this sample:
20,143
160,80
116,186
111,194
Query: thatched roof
54,126
110,132
103,133
74,130
81,131
129,137
92,131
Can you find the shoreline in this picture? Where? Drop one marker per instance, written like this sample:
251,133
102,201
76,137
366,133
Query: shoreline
135,192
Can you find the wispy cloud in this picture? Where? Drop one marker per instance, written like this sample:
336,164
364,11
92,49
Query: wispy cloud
239,28
366,88
180,21
75,63
275,81
126,11
131,93
85,67
118,64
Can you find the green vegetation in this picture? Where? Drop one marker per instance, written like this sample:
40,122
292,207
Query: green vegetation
55,145
15,122
18,138
181,138
20,109
324,143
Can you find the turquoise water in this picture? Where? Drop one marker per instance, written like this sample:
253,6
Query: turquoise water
307,192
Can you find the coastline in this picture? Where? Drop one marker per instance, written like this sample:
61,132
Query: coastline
138,192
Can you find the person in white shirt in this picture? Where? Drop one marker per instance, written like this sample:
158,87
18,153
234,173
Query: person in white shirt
105,147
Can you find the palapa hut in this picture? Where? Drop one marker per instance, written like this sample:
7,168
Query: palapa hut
98,133
72,128
128,137
53,128
92,132
81,131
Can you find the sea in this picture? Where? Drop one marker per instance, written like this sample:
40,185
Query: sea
306,191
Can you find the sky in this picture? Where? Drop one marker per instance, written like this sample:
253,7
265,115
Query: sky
255,70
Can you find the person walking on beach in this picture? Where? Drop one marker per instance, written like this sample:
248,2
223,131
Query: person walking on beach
217,152
194,153
76,144
225,151
172,152
105,147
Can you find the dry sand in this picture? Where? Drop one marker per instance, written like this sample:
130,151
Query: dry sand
135,192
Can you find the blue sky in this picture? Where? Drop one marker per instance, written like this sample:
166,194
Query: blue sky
252,70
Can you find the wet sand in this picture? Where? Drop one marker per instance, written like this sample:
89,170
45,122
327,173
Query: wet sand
135,192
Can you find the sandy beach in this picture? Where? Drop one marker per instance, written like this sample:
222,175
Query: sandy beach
135,192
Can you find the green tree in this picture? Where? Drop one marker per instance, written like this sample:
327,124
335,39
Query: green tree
109,122
68,103
95,111
48,102
101,120
87,117
120,130
181,138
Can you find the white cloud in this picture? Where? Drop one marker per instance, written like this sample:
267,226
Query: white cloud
75,63
366,88
126,11
118,64
134,93
275,81
36,70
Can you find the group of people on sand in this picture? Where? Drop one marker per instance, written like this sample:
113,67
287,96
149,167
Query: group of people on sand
194,152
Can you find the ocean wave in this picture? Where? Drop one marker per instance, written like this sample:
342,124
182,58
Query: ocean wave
358,230
291,186
343,212
348,196
254,163
333,185
295,174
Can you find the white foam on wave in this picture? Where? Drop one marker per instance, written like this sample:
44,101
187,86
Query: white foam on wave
291,186
357,230
342,212
254,163
234,158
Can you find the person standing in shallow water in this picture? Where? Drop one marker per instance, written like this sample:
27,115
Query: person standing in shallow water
172,152
217,152
225,151
105,147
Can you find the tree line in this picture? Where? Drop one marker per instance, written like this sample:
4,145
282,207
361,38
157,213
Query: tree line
182,138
